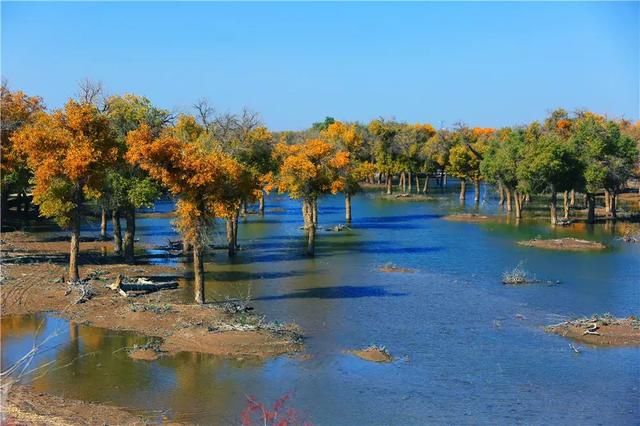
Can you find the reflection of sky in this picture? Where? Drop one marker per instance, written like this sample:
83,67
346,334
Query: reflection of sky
451,323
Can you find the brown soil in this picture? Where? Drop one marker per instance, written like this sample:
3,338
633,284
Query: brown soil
37,287
467,217
610,331
394,268
25,406
569,244
144,355
372,354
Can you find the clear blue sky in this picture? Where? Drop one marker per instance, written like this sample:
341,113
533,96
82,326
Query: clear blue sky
487,64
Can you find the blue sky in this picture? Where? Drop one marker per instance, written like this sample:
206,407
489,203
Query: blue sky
487,64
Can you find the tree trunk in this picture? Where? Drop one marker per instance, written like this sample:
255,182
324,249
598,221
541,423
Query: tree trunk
198,271
607,201
314,211
409,183
553,206
508,194
501,193
614,213
5,202
572,203
103,224
463,189
261,201
117,232
74,249
311,240
402,185
476,188
444,179
231,244
417,184
425,189
25,201
129,234
519,199
186,246
347,207
591,206
389,188
243,208
565,205
235,231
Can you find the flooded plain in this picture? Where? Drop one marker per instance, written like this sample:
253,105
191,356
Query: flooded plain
467,349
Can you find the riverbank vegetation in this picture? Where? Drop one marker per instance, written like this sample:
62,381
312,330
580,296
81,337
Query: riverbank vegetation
110,155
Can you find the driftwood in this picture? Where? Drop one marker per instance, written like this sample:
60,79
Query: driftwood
140,286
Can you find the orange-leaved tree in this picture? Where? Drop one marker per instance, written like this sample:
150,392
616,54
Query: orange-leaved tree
197,176
345,137
18,110
68,151
307,171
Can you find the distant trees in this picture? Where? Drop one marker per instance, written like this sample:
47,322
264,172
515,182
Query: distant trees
121,153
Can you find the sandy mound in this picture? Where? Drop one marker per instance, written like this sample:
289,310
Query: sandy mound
568,244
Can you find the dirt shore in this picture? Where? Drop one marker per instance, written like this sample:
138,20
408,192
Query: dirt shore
25,406
38,285
568,244
600,330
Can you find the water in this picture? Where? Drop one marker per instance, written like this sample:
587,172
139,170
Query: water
462,355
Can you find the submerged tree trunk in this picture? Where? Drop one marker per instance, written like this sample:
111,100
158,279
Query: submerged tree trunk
74,249
347,207
314,211
508,193
501,193
389,185
231,244
553,206
311,240
117,232
572,203
476,188
198,272
607,202
261,202
612,204
417,184
444,178
402,185
463,189
519,201
565,205
591,207
308,208
425,189
129,234
103,224
409,183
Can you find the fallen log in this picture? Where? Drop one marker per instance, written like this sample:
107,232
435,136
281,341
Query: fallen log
140,286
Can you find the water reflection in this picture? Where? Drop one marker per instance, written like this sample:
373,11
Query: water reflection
455,366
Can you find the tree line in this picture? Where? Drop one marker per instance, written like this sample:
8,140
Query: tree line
120,153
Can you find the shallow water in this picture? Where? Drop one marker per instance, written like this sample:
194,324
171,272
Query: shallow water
462,355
